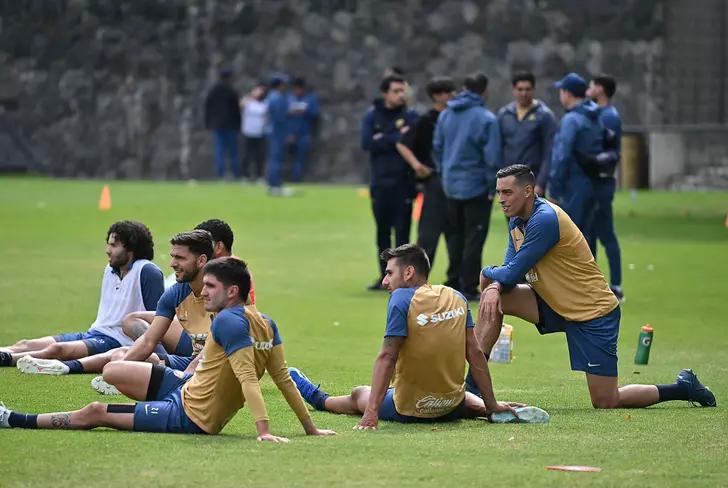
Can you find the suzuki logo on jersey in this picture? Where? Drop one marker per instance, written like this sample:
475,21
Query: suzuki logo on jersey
423,319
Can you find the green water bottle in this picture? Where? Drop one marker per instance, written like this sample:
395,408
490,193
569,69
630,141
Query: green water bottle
643,346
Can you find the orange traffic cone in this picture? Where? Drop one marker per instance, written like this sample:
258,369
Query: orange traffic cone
726,221
417,207
105,199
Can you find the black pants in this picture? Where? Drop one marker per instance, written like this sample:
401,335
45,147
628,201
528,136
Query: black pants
392,208
469,220
433,220
254,151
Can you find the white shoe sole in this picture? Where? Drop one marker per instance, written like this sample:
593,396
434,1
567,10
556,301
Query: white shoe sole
103,387
524,415
31,365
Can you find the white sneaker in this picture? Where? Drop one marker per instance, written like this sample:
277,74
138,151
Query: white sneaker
31,365
103,387
4,416
524,415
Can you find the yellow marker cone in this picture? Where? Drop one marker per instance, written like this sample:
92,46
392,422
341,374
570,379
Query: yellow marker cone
105,199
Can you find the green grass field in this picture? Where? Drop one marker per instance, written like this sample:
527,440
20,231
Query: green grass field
312,257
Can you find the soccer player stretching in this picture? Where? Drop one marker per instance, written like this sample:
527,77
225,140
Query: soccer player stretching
242,345
566,292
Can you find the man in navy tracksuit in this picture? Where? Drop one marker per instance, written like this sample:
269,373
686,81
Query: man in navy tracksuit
601,90
467,151
392,186
527,130
580,136
278,107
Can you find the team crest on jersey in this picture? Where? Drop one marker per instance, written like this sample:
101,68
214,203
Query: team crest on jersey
531,276
399,123
198,343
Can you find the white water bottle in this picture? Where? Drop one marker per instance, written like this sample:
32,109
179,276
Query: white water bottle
502,351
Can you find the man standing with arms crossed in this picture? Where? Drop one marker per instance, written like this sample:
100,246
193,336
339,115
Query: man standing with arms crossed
566,292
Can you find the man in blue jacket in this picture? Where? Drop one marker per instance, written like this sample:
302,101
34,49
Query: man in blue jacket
222,116
467,150
278,130
527,130
580,135
302,117
601,90
392,187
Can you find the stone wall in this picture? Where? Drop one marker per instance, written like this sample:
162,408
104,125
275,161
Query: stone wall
108,89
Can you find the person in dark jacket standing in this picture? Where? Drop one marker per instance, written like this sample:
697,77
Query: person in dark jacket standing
222,116
580,136
416,148
392,187
278,108
601,90
467,151
527,130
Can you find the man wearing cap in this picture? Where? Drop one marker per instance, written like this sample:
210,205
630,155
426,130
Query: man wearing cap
222,116
278,107
580,135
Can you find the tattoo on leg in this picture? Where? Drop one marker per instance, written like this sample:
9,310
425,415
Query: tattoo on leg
138,329
61,420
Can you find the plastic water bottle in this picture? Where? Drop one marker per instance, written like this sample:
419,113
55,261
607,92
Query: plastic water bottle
643,345
502,351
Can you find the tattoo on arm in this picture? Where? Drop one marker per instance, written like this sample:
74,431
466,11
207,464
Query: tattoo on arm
61,420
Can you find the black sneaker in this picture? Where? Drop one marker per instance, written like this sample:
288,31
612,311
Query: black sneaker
699,393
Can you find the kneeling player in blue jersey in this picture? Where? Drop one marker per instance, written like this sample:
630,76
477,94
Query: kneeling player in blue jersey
566,292
428,338
242,345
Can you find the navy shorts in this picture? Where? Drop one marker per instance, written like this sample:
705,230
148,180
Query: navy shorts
173,361
592,344
388,412
184,346
95,342
165,412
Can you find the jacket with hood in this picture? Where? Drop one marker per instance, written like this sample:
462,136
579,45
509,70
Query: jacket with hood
528,141
467,147
579,131
388,167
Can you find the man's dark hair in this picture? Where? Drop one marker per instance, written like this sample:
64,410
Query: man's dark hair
439,84
384,85
198,241
524,175
476,83
523,76
299,82
230,271
134,236
220,230
607,82
409,255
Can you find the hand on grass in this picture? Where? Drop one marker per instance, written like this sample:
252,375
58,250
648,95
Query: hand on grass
322,432
367,422
272,438
501,407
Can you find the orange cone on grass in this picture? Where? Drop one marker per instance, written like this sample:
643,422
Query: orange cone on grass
105,199
417,207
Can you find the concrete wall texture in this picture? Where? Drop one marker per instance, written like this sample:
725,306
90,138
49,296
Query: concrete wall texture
98,88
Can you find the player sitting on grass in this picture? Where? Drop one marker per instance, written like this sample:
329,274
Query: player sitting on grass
190,252
130,282
428,338
566,292
243,344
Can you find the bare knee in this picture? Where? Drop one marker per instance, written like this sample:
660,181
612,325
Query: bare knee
112,371
359,391
22,343
54,350
118,354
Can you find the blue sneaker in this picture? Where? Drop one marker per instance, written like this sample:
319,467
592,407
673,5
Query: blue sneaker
308,390
696,390
524,415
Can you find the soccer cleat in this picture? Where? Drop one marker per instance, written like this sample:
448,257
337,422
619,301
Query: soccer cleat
4,416
31,365
524,415
696,390
304,385
103,387
619,293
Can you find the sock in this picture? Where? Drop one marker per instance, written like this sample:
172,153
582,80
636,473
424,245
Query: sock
6,359
74,367
23,420
318,400
675,391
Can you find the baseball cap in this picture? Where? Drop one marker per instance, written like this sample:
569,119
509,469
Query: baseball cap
572,83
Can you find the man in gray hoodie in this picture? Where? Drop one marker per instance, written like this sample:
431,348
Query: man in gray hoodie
467,151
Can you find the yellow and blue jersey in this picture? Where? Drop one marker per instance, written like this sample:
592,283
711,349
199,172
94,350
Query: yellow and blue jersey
429,375
181,301
243,345
550,252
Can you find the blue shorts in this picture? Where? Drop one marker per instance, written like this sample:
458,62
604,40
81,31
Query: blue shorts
95,343
592,344
184,346
166,415
171,380
388,412
173,361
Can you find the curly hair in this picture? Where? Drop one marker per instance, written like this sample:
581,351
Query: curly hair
135,237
